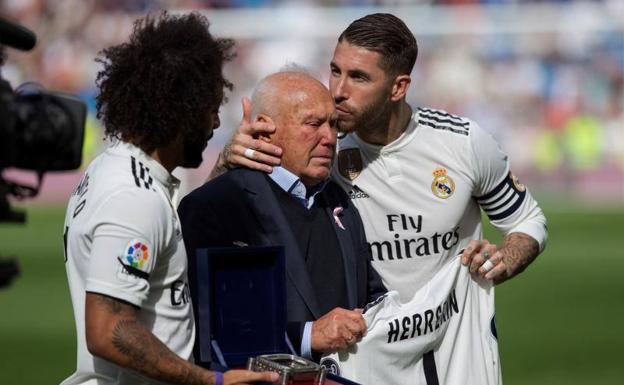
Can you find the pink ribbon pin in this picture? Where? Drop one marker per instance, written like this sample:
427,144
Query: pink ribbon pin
337,212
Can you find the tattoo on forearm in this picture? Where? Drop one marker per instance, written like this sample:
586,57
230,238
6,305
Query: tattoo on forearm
150,356
222,165
216,172
519,251
127,339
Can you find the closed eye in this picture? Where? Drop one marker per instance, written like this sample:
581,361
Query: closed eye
359,76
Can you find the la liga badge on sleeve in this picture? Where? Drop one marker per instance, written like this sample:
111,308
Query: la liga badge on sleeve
136,259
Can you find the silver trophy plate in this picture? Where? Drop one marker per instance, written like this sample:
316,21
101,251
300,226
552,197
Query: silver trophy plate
291,369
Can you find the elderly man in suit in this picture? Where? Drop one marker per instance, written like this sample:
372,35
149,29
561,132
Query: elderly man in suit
329,275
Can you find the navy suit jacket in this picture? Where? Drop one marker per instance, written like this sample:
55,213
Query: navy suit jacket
241,207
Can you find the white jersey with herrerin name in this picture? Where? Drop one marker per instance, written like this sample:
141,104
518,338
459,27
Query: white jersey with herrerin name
444,335
123,239
420,196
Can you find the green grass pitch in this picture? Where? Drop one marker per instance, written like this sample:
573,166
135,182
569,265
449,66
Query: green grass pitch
560,322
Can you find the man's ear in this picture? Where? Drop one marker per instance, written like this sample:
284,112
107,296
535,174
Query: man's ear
399,87
264,118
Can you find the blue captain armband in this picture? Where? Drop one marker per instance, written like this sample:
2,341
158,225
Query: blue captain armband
504,199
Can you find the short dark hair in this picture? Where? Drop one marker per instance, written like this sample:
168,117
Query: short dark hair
387,35
164,80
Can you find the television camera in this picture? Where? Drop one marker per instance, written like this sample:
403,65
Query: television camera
40,131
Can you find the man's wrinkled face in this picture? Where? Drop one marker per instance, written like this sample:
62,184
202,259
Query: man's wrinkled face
306,131
360,87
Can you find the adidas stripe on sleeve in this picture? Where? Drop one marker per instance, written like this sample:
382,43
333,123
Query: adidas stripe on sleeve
442,120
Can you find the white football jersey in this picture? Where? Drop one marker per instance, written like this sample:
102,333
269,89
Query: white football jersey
445,334
420,196
123,239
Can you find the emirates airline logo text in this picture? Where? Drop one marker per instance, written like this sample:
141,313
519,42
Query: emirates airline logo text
406,245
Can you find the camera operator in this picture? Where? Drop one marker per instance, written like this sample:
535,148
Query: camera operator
39,131
9,268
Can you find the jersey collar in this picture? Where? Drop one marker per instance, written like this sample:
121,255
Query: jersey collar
404,139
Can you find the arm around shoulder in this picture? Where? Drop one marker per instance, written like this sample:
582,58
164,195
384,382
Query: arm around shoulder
245,149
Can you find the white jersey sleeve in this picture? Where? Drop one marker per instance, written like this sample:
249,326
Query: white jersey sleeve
126,238
508,204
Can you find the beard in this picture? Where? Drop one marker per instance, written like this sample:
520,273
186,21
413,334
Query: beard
370,118
193,147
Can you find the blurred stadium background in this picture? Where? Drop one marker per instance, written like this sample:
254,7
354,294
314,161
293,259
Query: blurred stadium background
544,77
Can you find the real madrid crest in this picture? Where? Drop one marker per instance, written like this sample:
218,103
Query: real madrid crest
350,163
442,185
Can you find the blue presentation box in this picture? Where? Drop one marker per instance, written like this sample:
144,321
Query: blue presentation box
241,298
241,304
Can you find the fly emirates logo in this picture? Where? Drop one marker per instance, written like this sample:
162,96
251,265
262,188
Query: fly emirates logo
406,239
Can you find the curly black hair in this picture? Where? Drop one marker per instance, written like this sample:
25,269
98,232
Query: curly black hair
167,78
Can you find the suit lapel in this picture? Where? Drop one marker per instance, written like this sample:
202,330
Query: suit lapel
346,248
277,232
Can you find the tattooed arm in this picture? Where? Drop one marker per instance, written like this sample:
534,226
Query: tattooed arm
247,136
510,259
114,333
517,252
